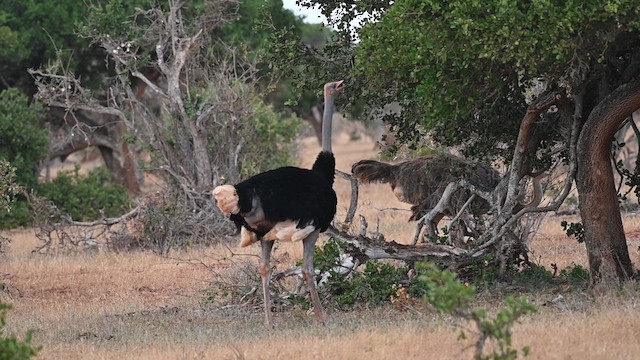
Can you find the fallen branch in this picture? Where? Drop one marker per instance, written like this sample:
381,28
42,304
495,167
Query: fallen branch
105,221
365,248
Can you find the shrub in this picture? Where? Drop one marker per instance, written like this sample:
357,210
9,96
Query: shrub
448,295
376,284
86,198
166,221
534,275
269,140
8,187
19,215
577,275
23,139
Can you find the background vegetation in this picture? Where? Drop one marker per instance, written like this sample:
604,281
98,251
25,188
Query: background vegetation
192,94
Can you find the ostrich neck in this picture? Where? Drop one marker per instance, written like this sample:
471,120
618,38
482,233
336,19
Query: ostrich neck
327,118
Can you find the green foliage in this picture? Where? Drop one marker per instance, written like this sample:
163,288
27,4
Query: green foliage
465,71
23,139
12,348
573,229
577,275
264,140
115,17
18,216
8,187
443,289
256,21
40,30
448,295
86,198
373,286
440,60
269,140
325,257
534,275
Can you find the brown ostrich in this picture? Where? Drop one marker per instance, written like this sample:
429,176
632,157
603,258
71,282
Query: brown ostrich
422,181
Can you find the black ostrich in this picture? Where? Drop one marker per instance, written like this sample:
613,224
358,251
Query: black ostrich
287,204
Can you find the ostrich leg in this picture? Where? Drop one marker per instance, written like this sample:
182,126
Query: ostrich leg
265,274
309,244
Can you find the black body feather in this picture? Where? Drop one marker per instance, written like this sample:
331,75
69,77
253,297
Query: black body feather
291,193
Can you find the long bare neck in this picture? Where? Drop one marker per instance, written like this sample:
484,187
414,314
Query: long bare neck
327,118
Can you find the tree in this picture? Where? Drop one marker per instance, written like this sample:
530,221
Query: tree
200,117
55,39
466,73
37,31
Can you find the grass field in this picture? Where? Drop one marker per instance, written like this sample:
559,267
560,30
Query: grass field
136,305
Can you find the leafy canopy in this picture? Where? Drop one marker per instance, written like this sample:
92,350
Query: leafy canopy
463,72
463,67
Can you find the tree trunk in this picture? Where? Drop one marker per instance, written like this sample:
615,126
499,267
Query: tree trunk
128,162
603,231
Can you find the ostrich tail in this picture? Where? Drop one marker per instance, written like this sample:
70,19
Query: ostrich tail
325,165
373,171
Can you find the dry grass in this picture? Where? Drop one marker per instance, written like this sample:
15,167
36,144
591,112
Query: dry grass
140,306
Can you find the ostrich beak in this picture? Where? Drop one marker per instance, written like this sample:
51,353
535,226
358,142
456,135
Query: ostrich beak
339,85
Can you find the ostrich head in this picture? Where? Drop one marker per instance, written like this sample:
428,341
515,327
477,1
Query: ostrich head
333,88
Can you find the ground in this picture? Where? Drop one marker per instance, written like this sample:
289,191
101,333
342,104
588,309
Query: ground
137,305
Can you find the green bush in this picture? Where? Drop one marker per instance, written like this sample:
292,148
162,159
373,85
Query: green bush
269,140
12,348
87,198
23,139
376,284
19,215
535,275
577,276
13,213
447,294
8,186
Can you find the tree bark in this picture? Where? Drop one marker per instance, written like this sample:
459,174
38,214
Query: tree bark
603,230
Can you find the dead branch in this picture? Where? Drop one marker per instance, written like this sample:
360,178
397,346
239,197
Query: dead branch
365,248
106,221
353,204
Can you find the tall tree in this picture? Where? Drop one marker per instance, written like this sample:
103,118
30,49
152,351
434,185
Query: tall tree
37,33
465,73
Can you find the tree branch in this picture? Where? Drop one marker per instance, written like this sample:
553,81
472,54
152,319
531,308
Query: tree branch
353,203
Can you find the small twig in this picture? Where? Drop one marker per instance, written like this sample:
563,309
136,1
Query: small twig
391,209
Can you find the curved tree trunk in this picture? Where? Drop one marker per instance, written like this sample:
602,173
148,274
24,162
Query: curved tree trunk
604,234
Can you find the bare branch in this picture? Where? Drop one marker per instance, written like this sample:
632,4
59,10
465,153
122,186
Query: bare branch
353,204
367,248
107,221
